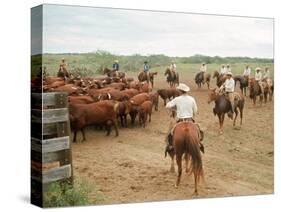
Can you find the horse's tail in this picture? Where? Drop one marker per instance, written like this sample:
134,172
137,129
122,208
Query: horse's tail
193,151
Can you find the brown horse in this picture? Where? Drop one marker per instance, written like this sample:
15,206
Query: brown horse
143,77
220,78
199,79
243,81
172,77
255,91
223,106
112,73
186,142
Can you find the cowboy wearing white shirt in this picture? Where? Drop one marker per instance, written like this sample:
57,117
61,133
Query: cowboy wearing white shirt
258,78
223,70
266,74
173,67
228,69
228,87
186,109
247,71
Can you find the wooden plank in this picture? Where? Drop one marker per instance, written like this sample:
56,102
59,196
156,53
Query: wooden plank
52,174
61,156
50,145
49,116
44,166
49,99
50,129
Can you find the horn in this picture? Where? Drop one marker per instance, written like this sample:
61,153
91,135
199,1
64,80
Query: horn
109,96
99,97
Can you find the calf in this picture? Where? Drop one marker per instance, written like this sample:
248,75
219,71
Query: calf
154,98
136,101
99,113
124,108
168,94
144,110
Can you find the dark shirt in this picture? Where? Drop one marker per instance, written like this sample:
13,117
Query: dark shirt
115,66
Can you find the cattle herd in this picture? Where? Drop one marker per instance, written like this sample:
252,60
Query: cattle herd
107,102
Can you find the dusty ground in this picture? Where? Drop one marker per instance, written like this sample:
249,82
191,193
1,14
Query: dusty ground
132,167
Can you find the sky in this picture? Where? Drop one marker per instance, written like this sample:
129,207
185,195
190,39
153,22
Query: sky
70,29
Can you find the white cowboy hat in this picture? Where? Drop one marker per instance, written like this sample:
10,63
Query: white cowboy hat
183,87
258,68
116,61
229,73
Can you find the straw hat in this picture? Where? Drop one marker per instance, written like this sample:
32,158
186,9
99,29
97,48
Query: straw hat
258,69
116,61
229,73
183,87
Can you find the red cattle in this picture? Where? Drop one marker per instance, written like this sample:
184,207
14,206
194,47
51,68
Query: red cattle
99,113
80,99
145,110
168,94
144,87
136,101
154,98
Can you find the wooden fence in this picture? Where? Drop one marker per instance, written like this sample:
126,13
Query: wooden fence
51,158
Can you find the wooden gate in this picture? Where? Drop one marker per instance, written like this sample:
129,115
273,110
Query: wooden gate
51,158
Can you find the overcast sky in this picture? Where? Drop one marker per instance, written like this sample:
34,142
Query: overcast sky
86,29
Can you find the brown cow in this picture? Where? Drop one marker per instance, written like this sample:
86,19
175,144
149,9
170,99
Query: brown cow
70,89
117,85
80,99
154,98
168,94
144,87
144,110
130,92
136,101
99,113
124,108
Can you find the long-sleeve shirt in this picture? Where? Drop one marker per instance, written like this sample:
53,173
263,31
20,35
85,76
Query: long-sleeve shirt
229,85
247,72
227,69
223,70
258,76
266,75
186,106
203,68
146,67
173,67
115,66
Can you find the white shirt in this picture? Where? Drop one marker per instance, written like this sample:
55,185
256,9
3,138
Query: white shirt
266,75
258,76
203,68
247,72
186,106
229,85
223,70
173,67
227,69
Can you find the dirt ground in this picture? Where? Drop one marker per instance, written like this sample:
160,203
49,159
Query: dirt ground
132,167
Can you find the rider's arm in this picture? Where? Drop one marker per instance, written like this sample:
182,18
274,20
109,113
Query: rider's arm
195,108
171,104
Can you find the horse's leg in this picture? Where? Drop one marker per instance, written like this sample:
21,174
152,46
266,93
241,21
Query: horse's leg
74,136
236,114
195,173
221,122
83,134
241,115
186,157
179,163
172,169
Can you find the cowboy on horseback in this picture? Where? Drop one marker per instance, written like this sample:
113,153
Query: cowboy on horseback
63,69
228,89
186,108
258,79
247,72
146,70
116,67
173,68
223,70
203,70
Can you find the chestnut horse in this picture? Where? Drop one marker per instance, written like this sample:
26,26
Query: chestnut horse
220,78
143,77
186,142
223,106
112,73
255,91
172,77
199,79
